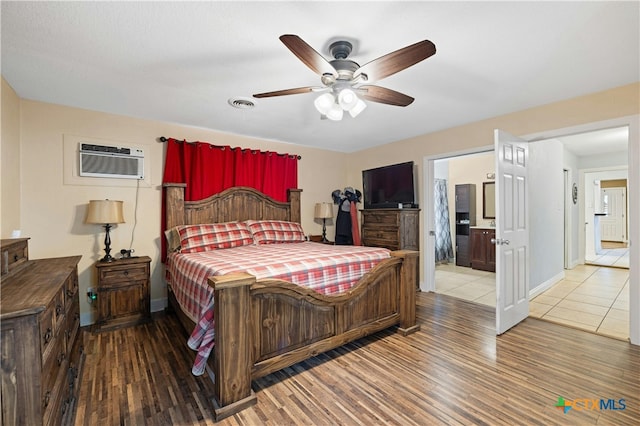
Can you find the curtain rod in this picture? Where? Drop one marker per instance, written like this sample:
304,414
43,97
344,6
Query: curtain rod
163,139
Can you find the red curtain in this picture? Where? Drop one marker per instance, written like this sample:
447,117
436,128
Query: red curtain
209,169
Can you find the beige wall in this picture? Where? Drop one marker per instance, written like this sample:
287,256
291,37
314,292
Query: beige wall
613,103
10,162
53,211
609,104
469,169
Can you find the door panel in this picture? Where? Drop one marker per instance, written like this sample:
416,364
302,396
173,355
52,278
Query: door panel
512,233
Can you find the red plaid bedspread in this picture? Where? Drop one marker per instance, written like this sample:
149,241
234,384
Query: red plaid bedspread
323,268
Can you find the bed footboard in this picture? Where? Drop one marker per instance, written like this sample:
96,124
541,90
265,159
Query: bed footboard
264,326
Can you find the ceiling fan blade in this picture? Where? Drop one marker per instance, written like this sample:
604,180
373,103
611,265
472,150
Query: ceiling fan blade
287,92
384,96
315,61
393,62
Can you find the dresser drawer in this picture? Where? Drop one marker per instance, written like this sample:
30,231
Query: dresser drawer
387,234
73,323
391,245
14,254
47,331
53,363
122,273
381,218
59,309
71,286
55,403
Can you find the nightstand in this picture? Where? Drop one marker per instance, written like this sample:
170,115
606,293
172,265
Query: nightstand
123,292
318,239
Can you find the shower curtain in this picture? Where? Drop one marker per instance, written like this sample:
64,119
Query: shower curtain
444,247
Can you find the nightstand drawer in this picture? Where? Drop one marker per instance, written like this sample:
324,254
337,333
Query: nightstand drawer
123,273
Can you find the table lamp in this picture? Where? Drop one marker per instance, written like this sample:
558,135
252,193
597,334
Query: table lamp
324,211
105,212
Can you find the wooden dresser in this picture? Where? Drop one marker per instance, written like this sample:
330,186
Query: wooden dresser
395,229
41,338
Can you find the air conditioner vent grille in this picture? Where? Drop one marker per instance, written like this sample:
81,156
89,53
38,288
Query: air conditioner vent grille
111,162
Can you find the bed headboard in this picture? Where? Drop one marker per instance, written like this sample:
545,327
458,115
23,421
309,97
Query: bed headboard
237,203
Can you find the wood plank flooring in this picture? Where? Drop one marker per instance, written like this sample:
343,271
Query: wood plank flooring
454,371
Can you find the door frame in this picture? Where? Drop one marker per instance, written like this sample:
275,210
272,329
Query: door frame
633,123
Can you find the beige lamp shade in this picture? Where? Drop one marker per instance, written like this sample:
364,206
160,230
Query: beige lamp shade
323,211
105,212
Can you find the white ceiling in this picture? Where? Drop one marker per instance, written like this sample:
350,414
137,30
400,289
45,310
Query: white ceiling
180,62
597,142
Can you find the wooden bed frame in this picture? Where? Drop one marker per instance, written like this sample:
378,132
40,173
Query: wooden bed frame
253,326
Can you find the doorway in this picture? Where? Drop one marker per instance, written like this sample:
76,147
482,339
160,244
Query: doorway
456,276
577,238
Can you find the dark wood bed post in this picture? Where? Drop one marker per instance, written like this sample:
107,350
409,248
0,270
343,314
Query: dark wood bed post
232,362
174,204
293,196
407,291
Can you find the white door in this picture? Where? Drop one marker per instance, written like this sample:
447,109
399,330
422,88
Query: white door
512,231
613,226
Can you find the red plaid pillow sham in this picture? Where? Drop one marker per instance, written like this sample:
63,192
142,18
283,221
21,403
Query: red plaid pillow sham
275,231
213,236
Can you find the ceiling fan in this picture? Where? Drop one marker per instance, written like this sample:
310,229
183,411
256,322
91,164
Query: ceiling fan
345,82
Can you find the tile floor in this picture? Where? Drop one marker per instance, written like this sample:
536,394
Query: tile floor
466,283
617,257
591,298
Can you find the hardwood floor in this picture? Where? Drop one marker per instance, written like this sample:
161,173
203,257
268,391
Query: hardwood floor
454,371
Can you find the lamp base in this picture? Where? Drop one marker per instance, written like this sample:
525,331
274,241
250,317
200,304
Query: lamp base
324,231
107,243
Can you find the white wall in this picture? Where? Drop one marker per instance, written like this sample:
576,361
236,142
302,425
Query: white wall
546,212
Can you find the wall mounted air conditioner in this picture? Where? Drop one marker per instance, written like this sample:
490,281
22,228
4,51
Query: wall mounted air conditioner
111,161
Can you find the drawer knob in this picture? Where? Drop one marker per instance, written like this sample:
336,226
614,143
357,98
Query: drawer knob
47,335
126,273
61,358
15,257
47,398
58,309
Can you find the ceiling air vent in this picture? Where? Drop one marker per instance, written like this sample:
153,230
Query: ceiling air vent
241,103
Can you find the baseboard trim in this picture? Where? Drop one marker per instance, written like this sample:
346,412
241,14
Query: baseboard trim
546,285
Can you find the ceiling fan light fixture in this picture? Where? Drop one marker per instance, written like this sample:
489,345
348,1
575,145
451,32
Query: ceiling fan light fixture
358,108
324,103
347,99
335,113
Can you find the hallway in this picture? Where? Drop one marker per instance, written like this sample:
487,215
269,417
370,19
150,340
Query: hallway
591,298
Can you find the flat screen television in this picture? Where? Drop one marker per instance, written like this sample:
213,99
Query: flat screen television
387,187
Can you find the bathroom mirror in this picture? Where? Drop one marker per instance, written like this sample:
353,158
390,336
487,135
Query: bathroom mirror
489,200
